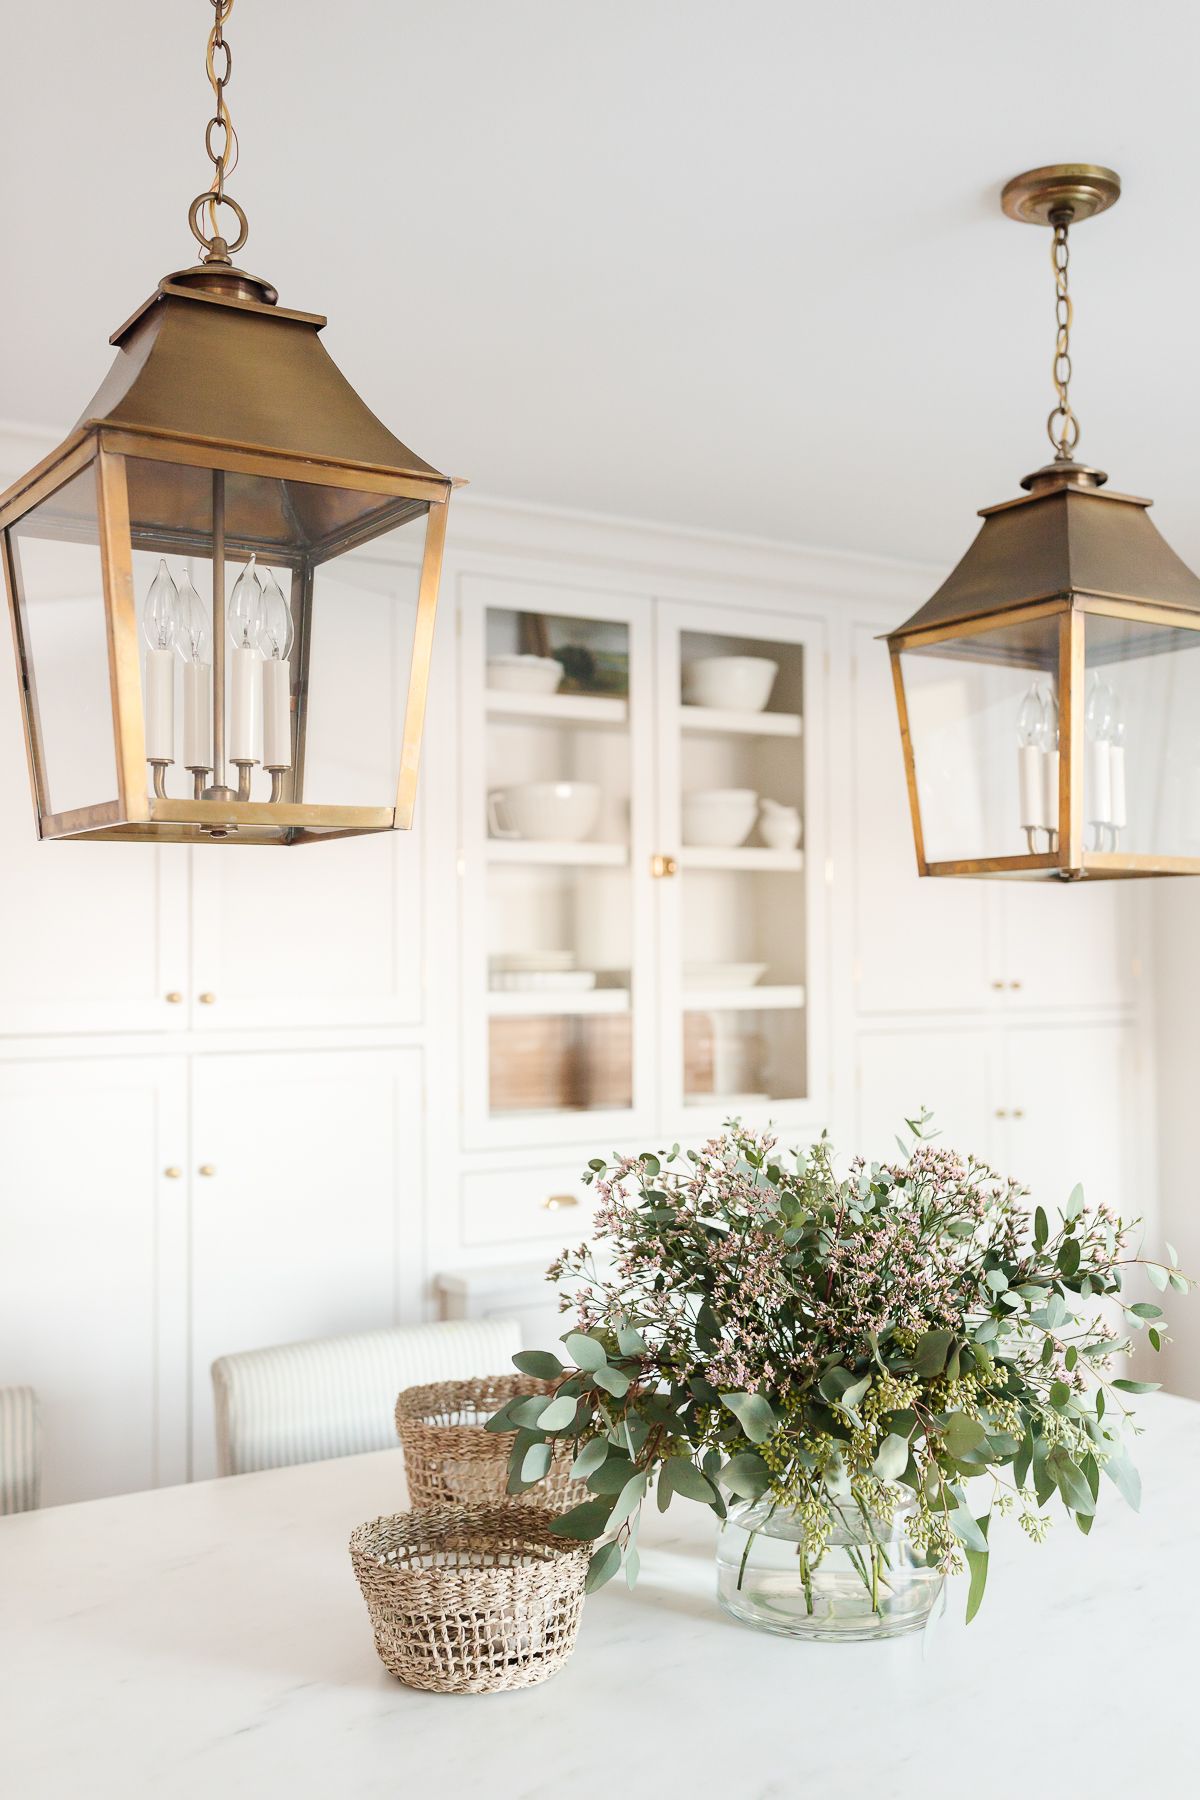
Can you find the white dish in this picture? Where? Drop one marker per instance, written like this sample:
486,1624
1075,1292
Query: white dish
533,962
544,811
732,683
543,981
723,975
719,818
524,674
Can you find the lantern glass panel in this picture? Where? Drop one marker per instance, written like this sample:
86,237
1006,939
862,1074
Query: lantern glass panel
982,718
1141,718
59,584
344,565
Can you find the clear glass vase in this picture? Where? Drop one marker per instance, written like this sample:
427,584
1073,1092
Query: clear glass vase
868,1581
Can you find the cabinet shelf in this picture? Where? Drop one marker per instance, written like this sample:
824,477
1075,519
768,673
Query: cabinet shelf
753,857
531,850
544,1005
753,999
720,721
557,709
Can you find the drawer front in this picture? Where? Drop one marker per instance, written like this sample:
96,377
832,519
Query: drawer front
545,1204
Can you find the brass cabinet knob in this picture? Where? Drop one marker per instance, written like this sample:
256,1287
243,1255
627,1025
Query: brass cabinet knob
173,998
207,999
556,1202
173,1174
1001,1113
1014,984
207,1169
1018,1112
997,984
663,867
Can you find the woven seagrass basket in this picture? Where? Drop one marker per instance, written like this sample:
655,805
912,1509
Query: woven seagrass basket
470,1599
449,1458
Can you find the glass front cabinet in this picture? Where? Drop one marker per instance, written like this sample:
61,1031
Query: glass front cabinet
637,838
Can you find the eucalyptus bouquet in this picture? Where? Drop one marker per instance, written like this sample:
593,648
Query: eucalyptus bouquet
765,1330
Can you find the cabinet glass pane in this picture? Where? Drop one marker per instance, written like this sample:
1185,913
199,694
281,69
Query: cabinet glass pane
556,808
742,904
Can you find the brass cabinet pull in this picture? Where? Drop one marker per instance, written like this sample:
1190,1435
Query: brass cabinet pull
207,999
173,998
663,867
207,1169
556,1202
173,1174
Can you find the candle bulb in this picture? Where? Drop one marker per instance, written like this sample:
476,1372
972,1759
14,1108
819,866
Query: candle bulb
192,645
245,712
1029,767
159,617
1098,790
275,640
1050,765
1116,765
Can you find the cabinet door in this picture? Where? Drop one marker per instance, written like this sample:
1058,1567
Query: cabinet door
955,1075
1072,1104
741,926
1069,946
93,1243
919,945
556,805
307,1210
93,937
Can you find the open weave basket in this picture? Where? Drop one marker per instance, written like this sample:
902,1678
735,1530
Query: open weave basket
449,1457
470,1599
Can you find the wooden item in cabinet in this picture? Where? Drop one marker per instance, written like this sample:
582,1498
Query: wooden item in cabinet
556,1064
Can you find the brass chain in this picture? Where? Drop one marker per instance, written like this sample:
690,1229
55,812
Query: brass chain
219,65
1062,425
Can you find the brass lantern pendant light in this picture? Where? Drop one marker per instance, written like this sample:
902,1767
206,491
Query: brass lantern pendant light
223,583
1049,692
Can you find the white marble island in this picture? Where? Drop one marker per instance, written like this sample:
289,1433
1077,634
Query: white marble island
211,1640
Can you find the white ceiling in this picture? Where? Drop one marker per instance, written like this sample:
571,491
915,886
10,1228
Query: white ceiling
732,263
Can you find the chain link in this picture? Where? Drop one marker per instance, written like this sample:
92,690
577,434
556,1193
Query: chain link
1062,425
219,65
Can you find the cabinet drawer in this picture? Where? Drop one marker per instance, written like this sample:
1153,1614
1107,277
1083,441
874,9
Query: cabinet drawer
544,1204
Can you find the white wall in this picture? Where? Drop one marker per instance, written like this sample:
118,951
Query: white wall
1176,936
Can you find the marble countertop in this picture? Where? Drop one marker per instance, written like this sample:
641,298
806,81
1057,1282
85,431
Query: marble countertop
211,1640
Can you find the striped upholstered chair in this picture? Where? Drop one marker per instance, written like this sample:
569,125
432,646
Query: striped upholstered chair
298,1403
20,1460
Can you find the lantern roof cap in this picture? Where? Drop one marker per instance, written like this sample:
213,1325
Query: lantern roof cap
211,356
1068,535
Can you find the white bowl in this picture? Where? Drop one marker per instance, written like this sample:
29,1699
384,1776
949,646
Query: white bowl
732,683
719,818
723,975
524,674
544,811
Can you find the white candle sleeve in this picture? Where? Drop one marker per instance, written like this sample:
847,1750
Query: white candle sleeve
1099,783
245,712
1029,765
160,706
197,715
1116,782
1050,788
277,713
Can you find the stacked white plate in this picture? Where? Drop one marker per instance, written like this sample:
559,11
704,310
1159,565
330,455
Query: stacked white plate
539,972
723,974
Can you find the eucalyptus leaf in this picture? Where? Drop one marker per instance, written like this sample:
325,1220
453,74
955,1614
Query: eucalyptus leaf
686,1479
589,1458
746,1475
962,1434
753,1414
585,1352
977,1562
1157,1275
1136,1387
630,1497
630,1341
603,1566
614,1381
929,1357
891,1459
1124,1476
587,1520
536,1462
557,1414
541,1363
965,1529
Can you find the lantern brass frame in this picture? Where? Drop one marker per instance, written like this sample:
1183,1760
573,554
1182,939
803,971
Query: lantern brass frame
212,375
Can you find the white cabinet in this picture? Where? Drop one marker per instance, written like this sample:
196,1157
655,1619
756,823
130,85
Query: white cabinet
958,946
956,1073
334,942
93,1258
1049,1104
306,1217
